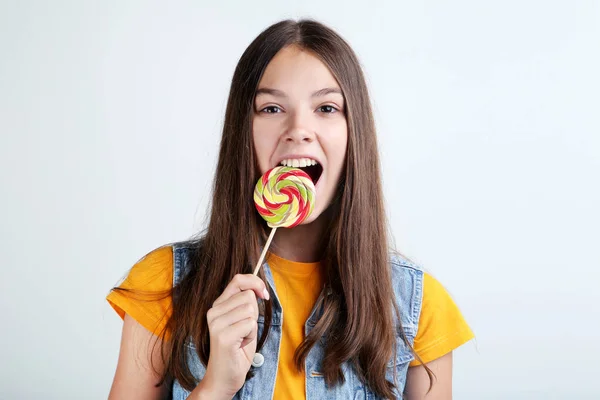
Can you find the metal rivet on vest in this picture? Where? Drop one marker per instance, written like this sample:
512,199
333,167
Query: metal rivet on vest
258,360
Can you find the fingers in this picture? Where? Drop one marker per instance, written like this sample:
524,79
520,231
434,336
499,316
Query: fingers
246,329
245,297
233,319
242,282
242,332
244,311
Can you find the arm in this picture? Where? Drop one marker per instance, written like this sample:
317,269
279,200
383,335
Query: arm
135,378
232,323
417,381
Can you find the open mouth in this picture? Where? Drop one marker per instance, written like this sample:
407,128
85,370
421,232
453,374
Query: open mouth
314,171
312,167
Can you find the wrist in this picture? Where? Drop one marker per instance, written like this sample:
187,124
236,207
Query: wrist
206,390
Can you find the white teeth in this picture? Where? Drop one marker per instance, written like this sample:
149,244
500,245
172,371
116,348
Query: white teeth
298,162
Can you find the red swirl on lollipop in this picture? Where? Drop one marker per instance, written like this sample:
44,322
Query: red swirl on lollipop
284,197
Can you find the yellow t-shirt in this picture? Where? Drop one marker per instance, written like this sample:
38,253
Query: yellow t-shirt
152,274
298,286
441,329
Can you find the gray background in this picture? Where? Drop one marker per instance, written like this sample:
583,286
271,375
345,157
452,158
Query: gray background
488,116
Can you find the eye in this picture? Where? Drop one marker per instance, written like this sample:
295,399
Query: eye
328,109
271,108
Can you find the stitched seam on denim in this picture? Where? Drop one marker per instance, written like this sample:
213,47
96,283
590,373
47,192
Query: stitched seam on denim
176,265
276,320
400,261
418,301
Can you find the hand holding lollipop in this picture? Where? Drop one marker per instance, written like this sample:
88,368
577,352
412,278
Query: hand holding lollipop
284,197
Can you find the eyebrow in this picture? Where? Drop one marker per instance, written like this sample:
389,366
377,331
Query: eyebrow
279,93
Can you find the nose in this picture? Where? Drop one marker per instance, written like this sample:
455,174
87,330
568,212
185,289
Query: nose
299,136
298,132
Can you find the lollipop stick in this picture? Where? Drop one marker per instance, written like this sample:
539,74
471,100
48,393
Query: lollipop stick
262,256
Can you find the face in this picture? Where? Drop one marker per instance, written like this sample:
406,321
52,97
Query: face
299,119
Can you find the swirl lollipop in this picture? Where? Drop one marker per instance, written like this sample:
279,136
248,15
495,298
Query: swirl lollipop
284,197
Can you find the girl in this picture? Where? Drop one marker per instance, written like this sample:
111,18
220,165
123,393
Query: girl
333,313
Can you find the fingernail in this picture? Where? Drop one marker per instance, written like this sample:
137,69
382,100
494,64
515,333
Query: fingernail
266,293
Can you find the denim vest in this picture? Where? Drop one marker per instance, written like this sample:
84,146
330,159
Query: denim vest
407,281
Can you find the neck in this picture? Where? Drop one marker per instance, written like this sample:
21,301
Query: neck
303,243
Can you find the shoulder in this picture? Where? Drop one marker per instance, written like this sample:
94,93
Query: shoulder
428,313
442,327
154,270
401,265
159,255
144,293
172,259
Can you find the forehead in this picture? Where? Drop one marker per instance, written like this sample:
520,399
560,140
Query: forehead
297,70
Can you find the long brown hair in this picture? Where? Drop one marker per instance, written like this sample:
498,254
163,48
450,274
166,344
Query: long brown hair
356,253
